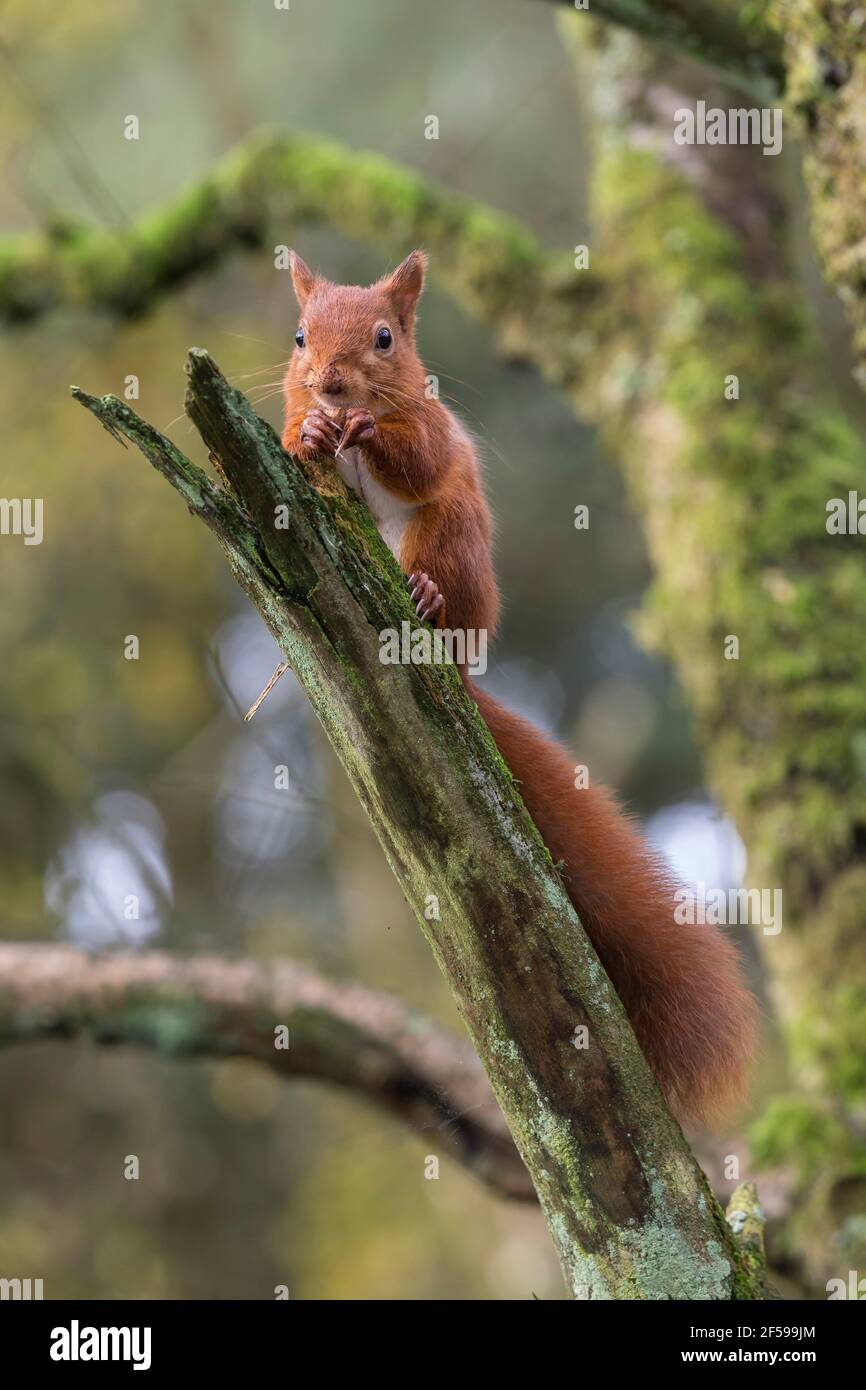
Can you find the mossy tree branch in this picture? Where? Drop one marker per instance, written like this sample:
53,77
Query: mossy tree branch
746,1219
825,54
629,1210
272,181
812,55
736,39
332,1031
811,52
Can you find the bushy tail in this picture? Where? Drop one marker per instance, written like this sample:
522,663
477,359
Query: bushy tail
681,985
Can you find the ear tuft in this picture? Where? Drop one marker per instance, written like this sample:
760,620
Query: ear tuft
303,279
404,285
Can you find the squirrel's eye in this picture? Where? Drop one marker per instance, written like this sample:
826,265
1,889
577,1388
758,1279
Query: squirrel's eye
383,338
300,337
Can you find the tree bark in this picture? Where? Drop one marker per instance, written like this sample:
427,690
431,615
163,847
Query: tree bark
630,1212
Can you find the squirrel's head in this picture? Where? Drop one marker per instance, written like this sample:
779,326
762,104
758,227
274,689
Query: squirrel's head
355,346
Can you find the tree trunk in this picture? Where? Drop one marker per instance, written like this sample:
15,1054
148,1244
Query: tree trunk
629,1210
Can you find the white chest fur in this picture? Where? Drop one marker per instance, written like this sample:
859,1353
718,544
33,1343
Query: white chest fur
390,513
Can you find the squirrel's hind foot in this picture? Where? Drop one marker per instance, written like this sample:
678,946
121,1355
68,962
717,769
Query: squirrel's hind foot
426,597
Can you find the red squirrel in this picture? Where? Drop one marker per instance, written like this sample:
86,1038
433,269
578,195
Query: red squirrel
356,392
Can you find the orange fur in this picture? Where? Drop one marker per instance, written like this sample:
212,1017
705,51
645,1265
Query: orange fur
682,986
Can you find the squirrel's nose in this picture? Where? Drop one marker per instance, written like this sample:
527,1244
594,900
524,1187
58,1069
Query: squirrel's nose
330,381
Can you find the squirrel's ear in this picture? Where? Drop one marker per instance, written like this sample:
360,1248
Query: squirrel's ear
303,279
404,285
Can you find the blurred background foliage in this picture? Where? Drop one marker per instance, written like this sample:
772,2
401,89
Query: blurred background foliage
138,777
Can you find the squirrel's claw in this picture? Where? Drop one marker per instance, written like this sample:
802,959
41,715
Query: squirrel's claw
425,594
432,609
358,428
321,433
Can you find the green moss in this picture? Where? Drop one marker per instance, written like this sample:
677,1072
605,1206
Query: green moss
273,179
826,66
171,1026
743,485
794,1130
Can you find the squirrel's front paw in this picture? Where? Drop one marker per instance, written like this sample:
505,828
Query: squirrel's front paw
320,434
358,428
